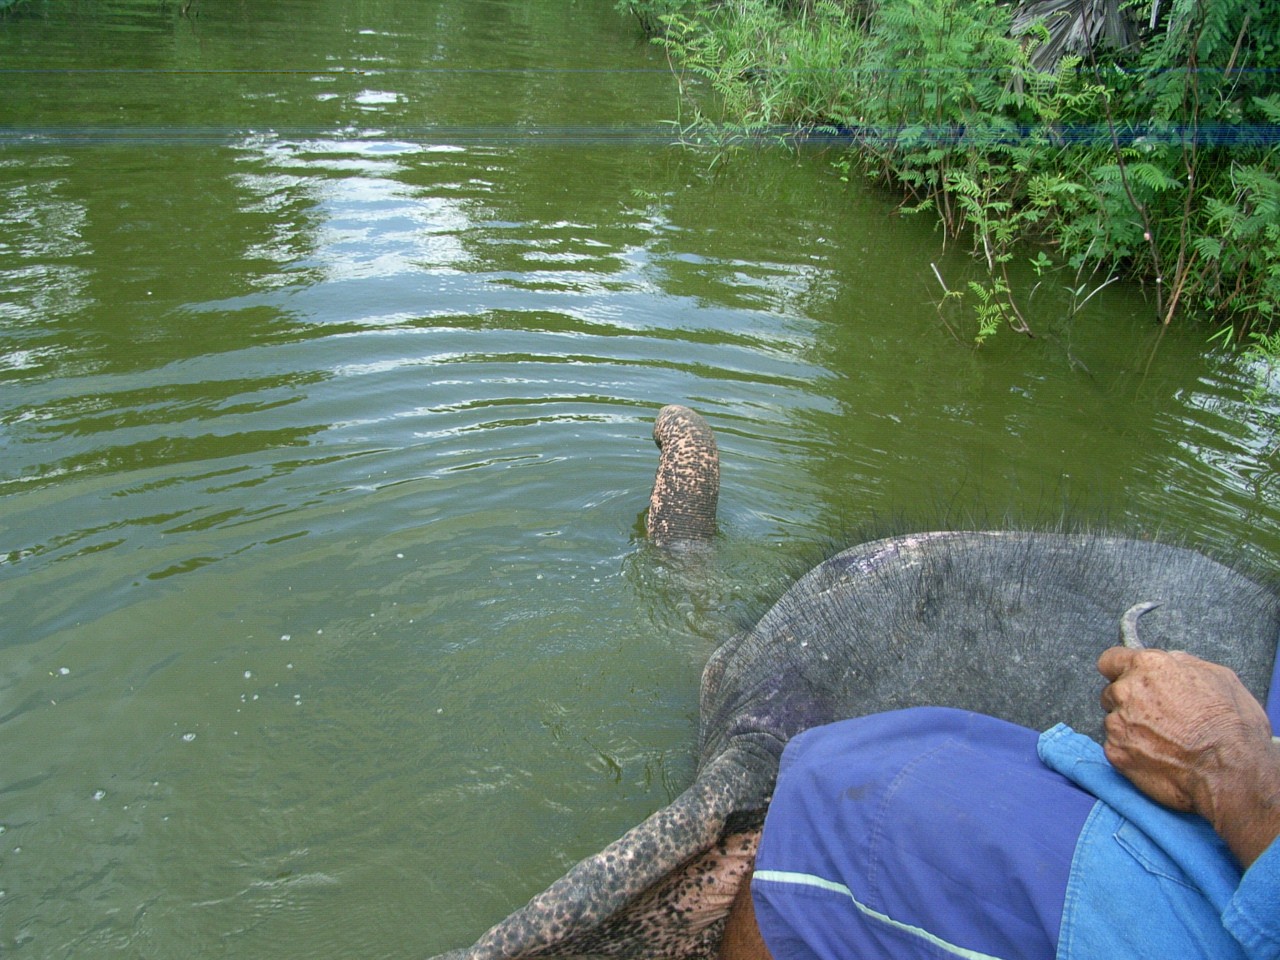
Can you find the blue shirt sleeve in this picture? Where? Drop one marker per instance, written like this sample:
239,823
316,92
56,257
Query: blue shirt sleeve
1253,915
1181,847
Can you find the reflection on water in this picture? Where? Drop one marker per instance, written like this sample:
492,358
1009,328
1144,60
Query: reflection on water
330,340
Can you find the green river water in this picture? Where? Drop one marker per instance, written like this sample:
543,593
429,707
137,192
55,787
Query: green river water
331,334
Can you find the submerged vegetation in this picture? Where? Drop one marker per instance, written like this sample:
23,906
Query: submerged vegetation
1138,140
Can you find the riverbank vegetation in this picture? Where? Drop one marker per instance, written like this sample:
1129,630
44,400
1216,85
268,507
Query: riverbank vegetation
1111,140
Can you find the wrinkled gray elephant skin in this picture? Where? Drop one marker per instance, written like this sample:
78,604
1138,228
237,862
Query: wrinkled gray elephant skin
1005,623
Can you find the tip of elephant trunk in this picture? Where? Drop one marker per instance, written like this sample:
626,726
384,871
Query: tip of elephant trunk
686,490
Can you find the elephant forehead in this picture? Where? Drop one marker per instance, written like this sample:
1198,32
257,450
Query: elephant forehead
1004,623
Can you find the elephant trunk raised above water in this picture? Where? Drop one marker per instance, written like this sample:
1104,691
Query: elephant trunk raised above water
682,507
1007,623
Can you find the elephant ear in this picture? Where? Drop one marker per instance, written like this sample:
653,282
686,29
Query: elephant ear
652,892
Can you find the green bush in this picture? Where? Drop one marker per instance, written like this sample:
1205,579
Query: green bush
1157,162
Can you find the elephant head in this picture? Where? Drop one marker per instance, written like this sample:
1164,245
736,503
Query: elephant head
1007,623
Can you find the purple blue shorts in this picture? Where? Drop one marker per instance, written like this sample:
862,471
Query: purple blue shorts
940,833
920,833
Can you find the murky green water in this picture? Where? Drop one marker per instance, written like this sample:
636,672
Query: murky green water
330,338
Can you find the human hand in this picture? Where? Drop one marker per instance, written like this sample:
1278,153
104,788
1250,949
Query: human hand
1188,734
